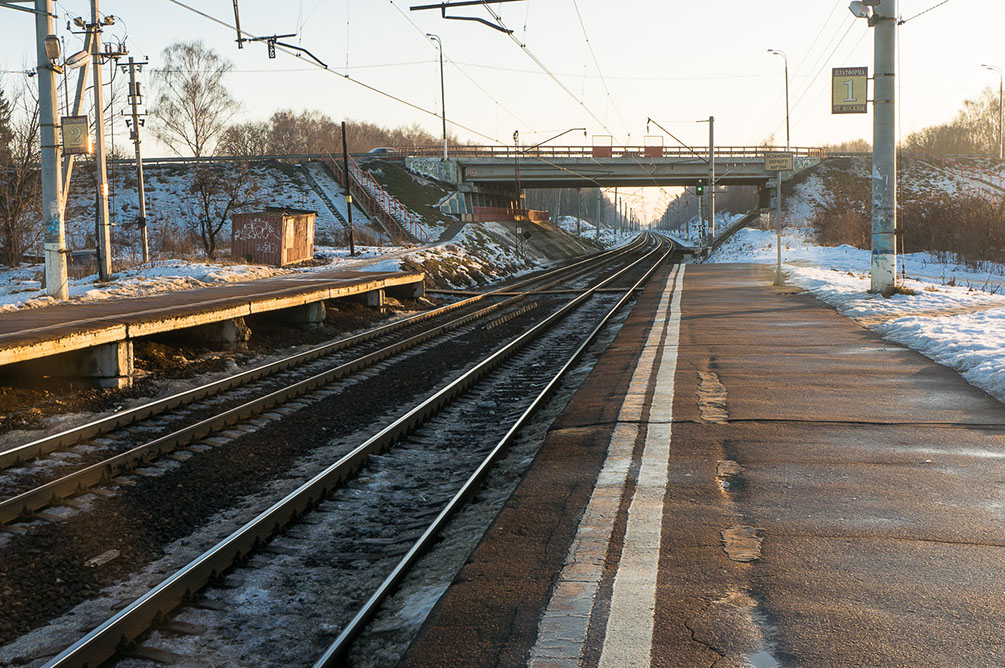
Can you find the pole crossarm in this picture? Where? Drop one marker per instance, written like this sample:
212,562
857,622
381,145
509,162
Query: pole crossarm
444,6
9,4
697,155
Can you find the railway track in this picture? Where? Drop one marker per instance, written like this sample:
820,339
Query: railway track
419,436
122,442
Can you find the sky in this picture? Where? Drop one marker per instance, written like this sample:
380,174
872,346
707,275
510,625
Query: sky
623,62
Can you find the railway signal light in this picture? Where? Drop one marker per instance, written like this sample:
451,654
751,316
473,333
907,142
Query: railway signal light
700,188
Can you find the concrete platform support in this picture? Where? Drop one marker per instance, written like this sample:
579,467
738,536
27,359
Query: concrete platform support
312,314
109,365
373,299
234,332
407,291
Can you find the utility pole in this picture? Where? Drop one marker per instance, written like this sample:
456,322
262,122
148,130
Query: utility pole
884,150
103,229
995,68
52,172
135,99
443,95
348,190
55,233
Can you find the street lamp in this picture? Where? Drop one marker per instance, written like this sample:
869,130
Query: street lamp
995,68
781,53
443,97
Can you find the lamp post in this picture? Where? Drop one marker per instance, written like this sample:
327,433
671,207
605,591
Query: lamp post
995,68
443,96
781,53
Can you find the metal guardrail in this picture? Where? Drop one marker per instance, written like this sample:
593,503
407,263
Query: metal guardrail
394,217
634,152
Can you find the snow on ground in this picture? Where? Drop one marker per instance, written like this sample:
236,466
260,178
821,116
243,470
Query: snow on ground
956,316
22,287
477,254
609,238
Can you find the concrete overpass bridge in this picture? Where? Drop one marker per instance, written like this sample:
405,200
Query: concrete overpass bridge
488,176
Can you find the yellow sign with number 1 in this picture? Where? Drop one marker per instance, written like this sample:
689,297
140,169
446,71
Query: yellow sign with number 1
850,88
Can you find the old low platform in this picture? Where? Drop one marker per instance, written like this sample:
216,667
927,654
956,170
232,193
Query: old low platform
106,329
746,478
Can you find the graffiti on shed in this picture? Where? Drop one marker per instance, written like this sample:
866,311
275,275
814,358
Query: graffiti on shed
278,236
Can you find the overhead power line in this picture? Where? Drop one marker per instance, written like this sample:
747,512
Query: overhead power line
804,60
537,61
813,79
450,60
346,77
520,70
596,64
903,21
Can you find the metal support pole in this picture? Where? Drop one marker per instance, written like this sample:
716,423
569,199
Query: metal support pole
778,229
711,174
579,209
103,230
348,190
134,94
52,172
617,209
596,230
884,151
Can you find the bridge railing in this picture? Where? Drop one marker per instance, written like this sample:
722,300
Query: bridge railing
638,152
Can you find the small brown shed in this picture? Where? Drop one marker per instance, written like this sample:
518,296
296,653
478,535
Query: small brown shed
278,236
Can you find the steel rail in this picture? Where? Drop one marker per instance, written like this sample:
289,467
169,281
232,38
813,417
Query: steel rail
133,620
69,437
50,493
341,644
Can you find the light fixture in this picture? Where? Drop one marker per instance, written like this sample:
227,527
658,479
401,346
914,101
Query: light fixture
859,9
79,59
863,8
52,47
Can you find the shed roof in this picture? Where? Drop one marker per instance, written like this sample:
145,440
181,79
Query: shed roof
290,210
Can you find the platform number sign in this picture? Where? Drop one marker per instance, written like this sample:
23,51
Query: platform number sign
849,90
76,135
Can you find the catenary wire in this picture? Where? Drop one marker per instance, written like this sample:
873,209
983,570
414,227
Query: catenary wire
346,76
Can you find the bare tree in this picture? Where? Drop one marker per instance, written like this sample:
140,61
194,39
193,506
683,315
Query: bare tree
974,130
20,181
288,132
245,139
219,191
193,106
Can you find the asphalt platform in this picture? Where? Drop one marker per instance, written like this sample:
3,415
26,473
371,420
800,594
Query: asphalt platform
746,478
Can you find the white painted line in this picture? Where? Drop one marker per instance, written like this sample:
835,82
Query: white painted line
564,625
629,637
